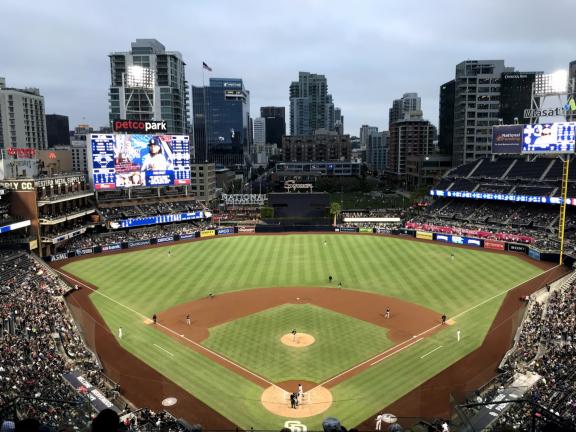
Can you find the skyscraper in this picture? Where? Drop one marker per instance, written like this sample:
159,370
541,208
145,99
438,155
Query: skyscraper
311,107
275,124
409,103
376,151
515,96
22,118
149,83
221,118
446,122
477,108
338,121
365,133
411,136
58,130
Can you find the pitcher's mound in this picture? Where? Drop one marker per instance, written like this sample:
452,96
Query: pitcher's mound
301,340
315,401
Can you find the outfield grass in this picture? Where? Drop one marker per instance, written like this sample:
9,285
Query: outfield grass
150,280
338,346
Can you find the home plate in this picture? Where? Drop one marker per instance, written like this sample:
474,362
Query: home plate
169,401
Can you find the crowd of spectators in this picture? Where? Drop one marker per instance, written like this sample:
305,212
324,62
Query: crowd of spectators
38,343
149,209
546,347
146,233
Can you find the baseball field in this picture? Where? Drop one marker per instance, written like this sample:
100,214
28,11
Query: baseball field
245,294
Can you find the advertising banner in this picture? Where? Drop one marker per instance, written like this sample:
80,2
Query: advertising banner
513,247
138,243
346,229
246,229
84,251
161,219
188,236
225,231
380,230
443,237
111,247
207,233
466,241
534,254
424,235
493,244
507,139
366,230
165,239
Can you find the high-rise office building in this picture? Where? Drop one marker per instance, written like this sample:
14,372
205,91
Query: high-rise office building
405,106
411,136
365,133
58,130
149,83
477,108
221,119
338,121
22,118
275,124
376,151
516,96
317,147
446,121
259,126
311,107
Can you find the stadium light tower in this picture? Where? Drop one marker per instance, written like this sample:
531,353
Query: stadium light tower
555,90
137,95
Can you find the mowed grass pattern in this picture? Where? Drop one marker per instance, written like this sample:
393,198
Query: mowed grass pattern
341,342
138,284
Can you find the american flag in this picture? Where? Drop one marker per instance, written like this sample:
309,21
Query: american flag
205,66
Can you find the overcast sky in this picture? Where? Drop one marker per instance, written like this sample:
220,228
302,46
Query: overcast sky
370,51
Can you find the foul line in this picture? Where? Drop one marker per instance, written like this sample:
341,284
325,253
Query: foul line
427,354
391,354
164,350
169,330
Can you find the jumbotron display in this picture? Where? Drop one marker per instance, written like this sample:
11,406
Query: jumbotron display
124,160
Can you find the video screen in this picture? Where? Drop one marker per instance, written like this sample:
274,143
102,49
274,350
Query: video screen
124,160
549,138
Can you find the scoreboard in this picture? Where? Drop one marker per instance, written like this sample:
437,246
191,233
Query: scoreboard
123,160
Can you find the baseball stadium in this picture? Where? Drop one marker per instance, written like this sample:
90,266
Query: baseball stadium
282,310
296,309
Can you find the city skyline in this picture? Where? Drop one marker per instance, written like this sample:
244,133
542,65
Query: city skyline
370,54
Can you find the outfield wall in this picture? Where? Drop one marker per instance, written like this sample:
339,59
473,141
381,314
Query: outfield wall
453,239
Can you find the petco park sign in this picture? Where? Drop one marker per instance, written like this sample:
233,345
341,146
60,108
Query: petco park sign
139,126
243,199
291,185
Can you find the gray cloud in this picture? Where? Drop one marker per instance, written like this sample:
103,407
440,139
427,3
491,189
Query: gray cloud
371,51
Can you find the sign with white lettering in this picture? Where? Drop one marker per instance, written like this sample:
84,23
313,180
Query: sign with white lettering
244,199
291,185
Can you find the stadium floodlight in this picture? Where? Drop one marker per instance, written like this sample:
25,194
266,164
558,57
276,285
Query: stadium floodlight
551,84
140,77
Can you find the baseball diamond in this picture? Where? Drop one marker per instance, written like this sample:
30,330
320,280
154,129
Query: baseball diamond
245,293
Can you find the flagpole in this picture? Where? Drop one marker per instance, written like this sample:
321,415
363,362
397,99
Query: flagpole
205,114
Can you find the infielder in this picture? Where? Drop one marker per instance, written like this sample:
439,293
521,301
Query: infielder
458,335
387,314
